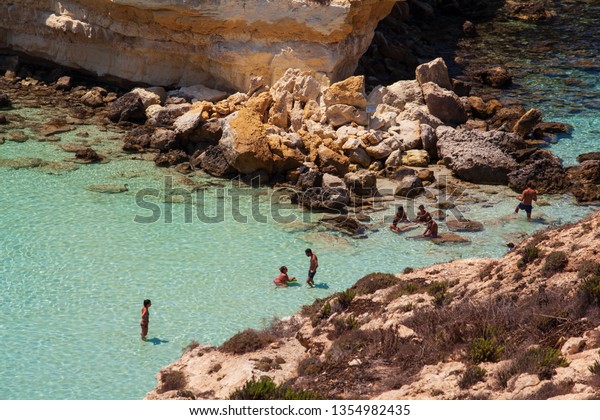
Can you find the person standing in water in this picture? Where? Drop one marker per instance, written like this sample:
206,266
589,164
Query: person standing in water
312,270
145,318
527,198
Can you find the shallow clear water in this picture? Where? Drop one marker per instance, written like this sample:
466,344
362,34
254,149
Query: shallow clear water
75,266
555,67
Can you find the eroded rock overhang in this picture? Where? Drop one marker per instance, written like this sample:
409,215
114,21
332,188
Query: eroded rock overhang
219,43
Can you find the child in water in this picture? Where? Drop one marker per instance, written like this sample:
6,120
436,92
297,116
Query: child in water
145,318
282,280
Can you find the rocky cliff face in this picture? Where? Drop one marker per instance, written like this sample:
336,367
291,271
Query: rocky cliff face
521,327
177,42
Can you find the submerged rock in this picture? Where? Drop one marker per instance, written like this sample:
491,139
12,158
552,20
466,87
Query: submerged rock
55,127
449,238
322,198
87,155
108,188
345,224
21,163
498,77
531,11
18,136
464,225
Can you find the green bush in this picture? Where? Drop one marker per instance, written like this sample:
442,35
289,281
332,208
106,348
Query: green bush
588,268
529,254
485,350
594,368
345,298
555,262
541,361
341,325
247,341
438,291
472,375
591,288
265,389
547,360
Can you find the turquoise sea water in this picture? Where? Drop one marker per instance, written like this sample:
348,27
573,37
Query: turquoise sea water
555,67
75,266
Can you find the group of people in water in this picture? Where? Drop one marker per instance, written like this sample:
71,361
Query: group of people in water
526,199
423,216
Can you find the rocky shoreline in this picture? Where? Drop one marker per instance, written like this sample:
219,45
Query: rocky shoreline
317,137
524,326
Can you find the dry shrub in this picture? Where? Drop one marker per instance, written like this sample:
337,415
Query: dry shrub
281,329
185,394
312,309
588,268
215,368
323,313
590,287
193,344
171,380
472,375
486,271
373,282
342,325
406,288
555,262
266,364
247,341
310,366
439,292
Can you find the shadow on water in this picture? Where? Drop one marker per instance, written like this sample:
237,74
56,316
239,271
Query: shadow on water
156,341
411,35
321,286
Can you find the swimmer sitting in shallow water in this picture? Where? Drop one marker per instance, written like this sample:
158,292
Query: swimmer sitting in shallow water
283,279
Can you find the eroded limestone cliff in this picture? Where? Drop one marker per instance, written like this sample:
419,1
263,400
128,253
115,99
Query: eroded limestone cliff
220,43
